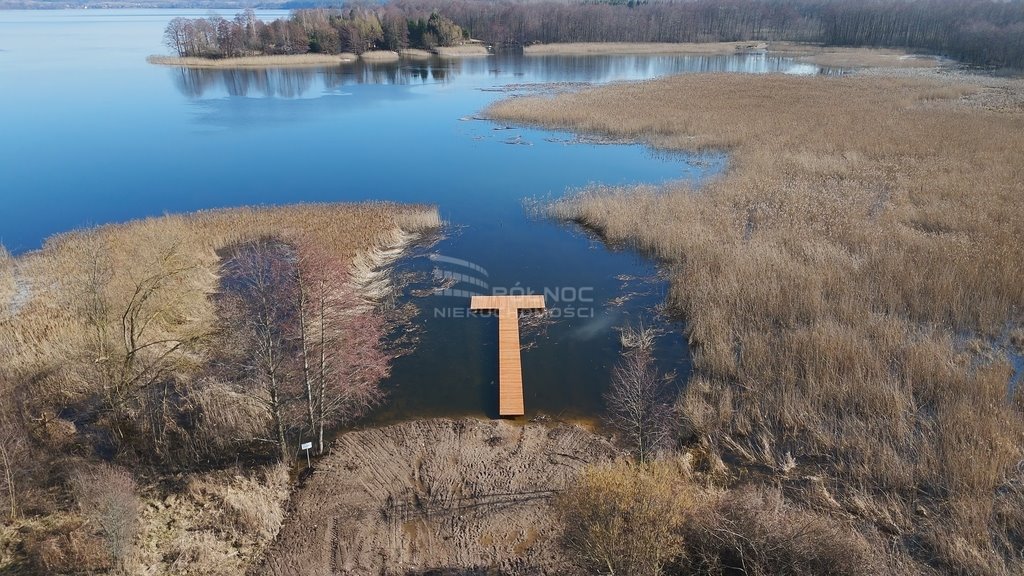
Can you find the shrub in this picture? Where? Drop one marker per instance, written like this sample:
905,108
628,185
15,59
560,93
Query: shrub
106,497
754,531
625,519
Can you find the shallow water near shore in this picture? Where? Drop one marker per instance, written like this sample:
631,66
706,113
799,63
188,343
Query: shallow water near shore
93,134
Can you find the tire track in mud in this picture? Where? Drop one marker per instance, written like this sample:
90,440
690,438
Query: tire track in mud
435,495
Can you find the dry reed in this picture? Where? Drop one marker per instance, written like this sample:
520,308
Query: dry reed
832,280
463,50
51,325
415,53
606,48
380,56
842,57
7,286
219,524
48,350
265,61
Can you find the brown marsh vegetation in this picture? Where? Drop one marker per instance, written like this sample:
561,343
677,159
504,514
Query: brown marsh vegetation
844,57
436,496
850,287
600,48
7,286
264,61
112,370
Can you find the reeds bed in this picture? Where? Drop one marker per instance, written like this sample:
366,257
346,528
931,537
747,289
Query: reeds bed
850,286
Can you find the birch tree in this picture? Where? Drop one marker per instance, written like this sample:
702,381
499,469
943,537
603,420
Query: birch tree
342,344
260,314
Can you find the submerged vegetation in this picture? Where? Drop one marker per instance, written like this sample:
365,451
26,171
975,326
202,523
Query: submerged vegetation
850,286
184,345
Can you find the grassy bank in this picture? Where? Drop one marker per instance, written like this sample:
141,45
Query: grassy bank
612,48
276,61
416,53
380,56
112,371
301,60
849,286
828,56
436,496
468,50
7,287
840,57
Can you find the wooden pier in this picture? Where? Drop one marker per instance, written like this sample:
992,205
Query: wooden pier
510,366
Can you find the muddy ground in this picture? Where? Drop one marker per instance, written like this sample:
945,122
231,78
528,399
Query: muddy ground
435,495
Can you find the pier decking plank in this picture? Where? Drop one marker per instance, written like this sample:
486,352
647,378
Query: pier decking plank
510,367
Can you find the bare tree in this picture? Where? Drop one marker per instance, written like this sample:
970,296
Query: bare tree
177,35
140,332
107,497
343,356
260,312
638,398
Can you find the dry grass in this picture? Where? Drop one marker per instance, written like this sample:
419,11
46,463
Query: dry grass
218,525
266,61
665,518
7,287
51,330
758,530
831,280
611,48
380,56
461,51
415,53
435,497
624,519
48,356
835,57
840,57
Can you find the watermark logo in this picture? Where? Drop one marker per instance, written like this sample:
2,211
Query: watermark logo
461,280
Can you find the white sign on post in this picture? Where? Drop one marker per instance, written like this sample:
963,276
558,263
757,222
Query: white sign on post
306,446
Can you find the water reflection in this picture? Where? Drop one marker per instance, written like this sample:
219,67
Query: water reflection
283,83
494,70
303,82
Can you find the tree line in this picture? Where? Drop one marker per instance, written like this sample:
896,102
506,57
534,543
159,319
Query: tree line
982,32
320,30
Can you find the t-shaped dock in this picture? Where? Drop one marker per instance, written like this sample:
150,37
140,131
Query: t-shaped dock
510,366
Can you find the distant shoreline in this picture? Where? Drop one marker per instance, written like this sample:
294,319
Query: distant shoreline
274,61
624,48
299,60
809,53
828,56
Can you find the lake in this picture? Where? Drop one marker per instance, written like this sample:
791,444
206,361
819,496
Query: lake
93,134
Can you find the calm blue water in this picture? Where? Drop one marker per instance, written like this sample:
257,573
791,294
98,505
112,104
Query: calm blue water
90,133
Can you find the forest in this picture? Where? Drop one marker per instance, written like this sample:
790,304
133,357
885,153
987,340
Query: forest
980,32
323,31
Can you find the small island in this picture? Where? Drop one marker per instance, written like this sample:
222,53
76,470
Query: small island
313,38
